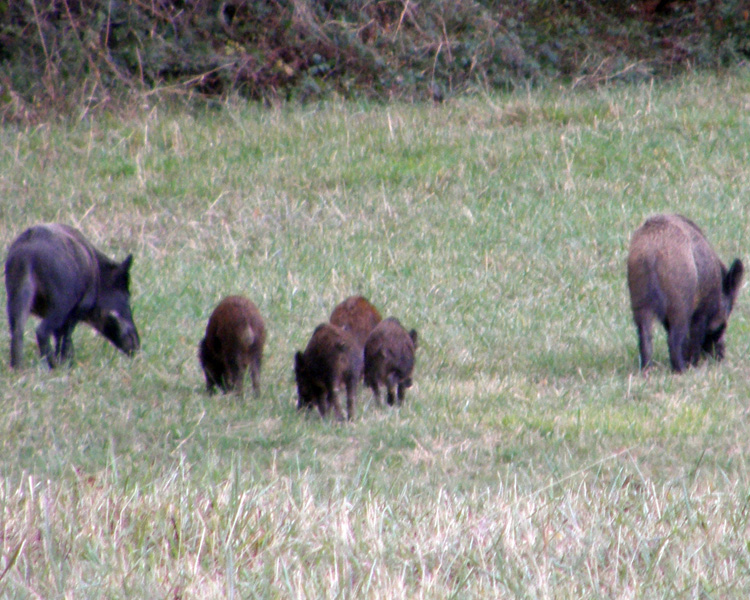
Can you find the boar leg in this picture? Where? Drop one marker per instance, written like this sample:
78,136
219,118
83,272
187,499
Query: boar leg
697,337
45,348
375,391
322,404
64,344
239,383
232,376
46,329
371,380
19,307
401,393
332,400
677,339
16,349
16,338
210,384
402,385
391,386
351,390
717,350
391,395
238,379
644,321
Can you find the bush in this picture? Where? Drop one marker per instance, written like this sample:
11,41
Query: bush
63,54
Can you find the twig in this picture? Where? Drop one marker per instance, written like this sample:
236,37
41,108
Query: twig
189,81
400,20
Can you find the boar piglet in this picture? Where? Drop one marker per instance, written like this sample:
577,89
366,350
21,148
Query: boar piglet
234,340
332,360
52,271
358,316
675,276
389,359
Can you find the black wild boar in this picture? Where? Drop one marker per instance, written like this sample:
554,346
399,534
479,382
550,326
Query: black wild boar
234,340
332,360
675,276
389,359
356,315
53,272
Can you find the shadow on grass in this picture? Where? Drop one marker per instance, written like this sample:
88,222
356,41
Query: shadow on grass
585,361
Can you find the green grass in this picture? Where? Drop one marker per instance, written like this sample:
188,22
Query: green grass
530,459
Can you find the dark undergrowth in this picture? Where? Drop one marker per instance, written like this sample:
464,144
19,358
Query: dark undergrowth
63,56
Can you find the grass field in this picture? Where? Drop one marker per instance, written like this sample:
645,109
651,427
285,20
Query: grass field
531,459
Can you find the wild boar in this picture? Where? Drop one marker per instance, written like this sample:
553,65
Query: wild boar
234,340
389,359
675,276
331,360
53,272
356,315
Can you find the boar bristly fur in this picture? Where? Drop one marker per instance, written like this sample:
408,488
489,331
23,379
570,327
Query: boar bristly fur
52,271
332,360
389,359
675,276
358,316
234,340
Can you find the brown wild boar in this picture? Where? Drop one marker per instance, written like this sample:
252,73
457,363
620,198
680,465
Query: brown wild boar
235,336
389,359
675,276
356,315
52,271
332,360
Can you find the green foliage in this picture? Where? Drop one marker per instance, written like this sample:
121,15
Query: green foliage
67,54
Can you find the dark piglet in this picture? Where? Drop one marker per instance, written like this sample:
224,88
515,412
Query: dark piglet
53,272
675,276
332,360
358,316
389,359
234,340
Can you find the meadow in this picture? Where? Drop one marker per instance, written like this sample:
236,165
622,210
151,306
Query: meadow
531,458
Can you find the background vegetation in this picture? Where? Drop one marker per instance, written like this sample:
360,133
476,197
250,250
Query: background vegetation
70,55
530,459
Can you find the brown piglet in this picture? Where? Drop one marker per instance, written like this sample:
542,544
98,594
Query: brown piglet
389,359
235,336
358,316
332,360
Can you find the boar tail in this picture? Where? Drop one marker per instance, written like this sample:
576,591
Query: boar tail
733,278
248,337
414,337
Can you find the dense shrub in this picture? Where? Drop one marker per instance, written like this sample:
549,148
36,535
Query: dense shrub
73,53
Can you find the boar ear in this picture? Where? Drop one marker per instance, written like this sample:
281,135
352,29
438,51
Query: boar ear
733,278
413,336
299,362
122,273
125,265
